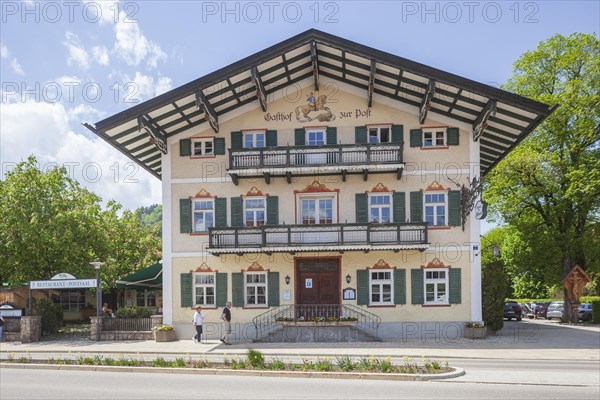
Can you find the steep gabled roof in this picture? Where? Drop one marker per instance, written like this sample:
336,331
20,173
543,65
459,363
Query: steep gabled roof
316,53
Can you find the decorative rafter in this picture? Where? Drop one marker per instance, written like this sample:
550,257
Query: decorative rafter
157,138
315,63
261,94
209,113
371,87
426,102
482,119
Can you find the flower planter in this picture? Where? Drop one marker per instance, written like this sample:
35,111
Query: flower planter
165,336
475,333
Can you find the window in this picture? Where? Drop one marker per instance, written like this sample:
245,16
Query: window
256,289
316,211
435,208
203,147
71,300
254,139
436,283
315,137
380,209
434,138
379,134
254,211
204,289
381,283
203,215
145,298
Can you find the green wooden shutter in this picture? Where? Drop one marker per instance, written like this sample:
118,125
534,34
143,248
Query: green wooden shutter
300,137
237,289
455,285
273,282
237,207
220,212
360,134
416,206
399,207
452,136
362,287
272,210
185,147
221,288
416,137
416,286
399,286
185,215
271,138
236,140
331,135
397,133
219,146
186,290
454,208
362,208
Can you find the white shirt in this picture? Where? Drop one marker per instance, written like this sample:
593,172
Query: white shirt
198,318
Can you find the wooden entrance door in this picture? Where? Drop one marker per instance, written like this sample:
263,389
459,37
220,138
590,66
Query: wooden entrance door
318,285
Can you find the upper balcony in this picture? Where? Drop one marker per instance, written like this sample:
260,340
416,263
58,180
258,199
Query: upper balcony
340,159
324,237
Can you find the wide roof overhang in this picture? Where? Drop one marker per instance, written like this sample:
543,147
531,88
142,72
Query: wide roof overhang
502,119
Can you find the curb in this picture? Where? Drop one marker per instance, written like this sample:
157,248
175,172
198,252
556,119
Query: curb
216,371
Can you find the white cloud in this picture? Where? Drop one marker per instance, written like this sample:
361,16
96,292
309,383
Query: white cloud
105,9
100,54
147,87
3,51
133,47
44,130
163,85
77,54
16,67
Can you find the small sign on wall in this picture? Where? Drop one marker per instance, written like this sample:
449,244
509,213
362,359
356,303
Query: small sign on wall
287,295
308,283
349,294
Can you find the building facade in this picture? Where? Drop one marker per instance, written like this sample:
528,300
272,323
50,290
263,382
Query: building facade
321,180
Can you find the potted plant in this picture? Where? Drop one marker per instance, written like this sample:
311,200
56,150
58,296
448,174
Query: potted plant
164,333
475,330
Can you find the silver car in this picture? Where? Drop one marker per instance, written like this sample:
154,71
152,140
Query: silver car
555,310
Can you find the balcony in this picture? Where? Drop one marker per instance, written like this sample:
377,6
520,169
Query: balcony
319,160
330,237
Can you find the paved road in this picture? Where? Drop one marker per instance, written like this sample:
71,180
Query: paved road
45,384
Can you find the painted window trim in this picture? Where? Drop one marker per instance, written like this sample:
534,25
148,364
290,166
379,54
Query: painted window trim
264,199
195,285
390,205
446,281
446,216
254,132
212,199
202,140
434,130
384,281
266,285
317,196
378,127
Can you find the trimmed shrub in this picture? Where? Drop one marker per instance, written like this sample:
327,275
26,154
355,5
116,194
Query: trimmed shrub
596,311
495,287
133,312
51,313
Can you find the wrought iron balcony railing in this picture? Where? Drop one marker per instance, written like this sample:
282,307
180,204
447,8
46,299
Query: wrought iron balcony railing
325,237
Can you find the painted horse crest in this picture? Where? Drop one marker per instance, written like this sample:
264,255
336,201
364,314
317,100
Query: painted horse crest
317,105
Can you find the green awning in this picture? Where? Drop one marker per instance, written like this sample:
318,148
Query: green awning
147,278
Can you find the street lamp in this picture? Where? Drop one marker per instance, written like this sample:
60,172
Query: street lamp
97,264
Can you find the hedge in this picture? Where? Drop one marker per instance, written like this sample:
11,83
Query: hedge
583,299
596,311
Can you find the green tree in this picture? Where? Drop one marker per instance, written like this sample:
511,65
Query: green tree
151,216
49,224
551,182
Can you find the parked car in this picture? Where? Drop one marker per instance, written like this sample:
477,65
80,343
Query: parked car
585,312
543,308
555,310
512,309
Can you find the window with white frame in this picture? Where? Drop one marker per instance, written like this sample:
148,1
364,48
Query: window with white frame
204,289
317,210
203,214
436,286
255,211
254,139
434,137
436,208
315,137
380,208
380,134
203,147
256,288
381,284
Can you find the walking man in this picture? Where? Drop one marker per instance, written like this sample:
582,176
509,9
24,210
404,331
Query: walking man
197,321
226,317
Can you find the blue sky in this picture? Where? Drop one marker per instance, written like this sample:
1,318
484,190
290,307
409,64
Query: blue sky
65,63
